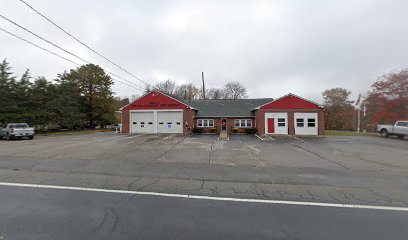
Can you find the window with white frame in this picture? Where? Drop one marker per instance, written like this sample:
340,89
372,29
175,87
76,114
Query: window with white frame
242,123
281,122
300,122
311,122
205,123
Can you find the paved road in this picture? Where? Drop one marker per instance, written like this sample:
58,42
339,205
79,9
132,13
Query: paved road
30,213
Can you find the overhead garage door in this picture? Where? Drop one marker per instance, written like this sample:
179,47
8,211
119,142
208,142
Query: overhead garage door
170,122
142,122
276,123
306,124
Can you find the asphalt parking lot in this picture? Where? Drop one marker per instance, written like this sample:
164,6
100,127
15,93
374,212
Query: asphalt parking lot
316,187
369,170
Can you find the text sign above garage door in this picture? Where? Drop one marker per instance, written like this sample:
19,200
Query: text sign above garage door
156,100
157,105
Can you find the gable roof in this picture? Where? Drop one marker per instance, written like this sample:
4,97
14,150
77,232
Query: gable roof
226,107
143,102
289,101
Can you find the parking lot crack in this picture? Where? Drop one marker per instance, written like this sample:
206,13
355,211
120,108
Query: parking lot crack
259,191
171,148
131,183
250,149
149,185
320,156
211,150
202,185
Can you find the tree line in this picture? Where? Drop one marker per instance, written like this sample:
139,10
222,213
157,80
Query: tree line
83,98
79,98
189,91
386,102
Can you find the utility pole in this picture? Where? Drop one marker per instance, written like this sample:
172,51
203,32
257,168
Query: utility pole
358,119
202,77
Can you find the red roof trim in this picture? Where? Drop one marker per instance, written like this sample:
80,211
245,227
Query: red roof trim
157,92
288,95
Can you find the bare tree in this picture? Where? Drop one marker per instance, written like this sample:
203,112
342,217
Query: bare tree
234,90
134,97
166,87
186,92
147,89
215,93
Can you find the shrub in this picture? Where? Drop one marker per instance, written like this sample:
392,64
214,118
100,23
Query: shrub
251,130
197,130
235,130
213,130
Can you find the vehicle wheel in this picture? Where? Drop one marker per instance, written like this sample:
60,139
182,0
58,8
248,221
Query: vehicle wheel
31,137
400,136
384,133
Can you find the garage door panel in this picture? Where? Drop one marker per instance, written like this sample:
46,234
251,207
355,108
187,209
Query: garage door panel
306,124
169,122
142,122
276,123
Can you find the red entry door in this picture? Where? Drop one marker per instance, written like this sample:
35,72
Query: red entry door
271,125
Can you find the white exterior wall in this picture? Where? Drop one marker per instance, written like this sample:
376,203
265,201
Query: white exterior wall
306,130
155,116
275,116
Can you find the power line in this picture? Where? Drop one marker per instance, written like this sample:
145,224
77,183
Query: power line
66,59
82,43
64,50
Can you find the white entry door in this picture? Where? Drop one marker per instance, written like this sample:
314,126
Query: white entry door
142,122
306,124
169,122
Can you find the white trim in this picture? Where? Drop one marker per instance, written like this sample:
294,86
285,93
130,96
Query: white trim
158,92
208,121
287,95
198,197
246,122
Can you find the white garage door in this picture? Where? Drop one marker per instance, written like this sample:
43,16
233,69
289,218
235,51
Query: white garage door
169,122
276,123
306,124
142,122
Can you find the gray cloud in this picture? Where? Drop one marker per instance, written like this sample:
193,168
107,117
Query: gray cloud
272,47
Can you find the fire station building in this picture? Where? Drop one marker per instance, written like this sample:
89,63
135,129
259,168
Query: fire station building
157,112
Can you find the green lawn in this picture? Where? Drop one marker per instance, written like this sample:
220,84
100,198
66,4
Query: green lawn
348,133
75,132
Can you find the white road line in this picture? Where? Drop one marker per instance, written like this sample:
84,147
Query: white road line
299,139
246,200
259,137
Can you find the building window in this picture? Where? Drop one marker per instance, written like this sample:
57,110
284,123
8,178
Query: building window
205,122
243,123
249,123
300,122
311,122
281,122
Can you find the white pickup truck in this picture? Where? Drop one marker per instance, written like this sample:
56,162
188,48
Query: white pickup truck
16,130
400,129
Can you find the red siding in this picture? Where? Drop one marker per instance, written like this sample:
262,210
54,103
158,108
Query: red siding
290,102
156,100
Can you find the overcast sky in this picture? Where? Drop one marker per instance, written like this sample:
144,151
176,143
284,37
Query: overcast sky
271,47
